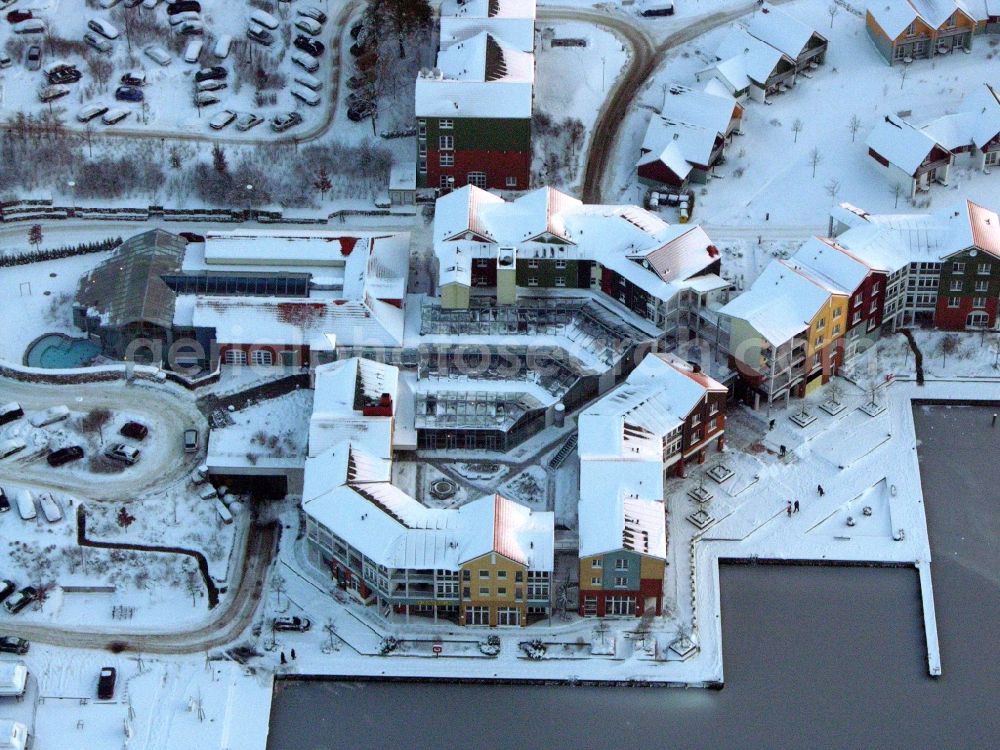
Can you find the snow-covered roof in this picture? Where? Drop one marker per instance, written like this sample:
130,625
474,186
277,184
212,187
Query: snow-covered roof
780,304
780,30
13,734
976,123
481,76
517,32
493,9
759,59
679,145
341,391
825,259
892,16
13,676
901,143
471,223
936,12
731,74
403,176
708,109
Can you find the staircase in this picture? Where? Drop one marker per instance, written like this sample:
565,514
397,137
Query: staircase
568,447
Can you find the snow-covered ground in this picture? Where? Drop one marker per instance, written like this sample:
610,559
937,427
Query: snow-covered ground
777,180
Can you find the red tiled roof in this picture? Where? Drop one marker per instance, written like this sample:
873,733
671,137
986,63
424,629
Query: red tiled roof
504,535
985,229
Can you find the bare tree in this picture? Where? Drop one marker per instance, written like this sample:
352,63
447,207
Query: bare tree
797,128
322,182
833,188
854,126
193,586
897,190
832,11
902,75
815,157
278,585
95,420
947,345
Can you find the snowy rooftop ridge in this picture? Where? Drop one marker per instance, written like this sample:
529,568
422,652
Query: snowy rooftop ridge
894,16
902,144
782,31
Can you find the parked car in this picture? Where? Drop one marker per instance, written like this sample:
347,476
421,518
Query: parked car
134,78
91,112
193,50
10,447
310,82
247,120
653,9
102,27
108,3
361,110
307,96
106,683
285,120
205,99
50,416
65,455
209,74
356,29
51,93
190,441
33,58
189,28
260,35
313,47
114,116
17,16
5,61
312,12
134,430
50,508
7,587
129,94
11,644
122,452
178,18
4,501
157,54
98,43
211,85
59,74
150,4
266,20
304,61
183,7
26,505
10,412
361,97
295,624
309,26
221,119
192,236
359,80
222,47
21,599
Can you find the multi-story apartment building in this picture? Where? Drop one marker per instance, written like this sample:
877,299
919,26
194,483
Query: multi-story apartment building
486,563
665,415
907,30
547,243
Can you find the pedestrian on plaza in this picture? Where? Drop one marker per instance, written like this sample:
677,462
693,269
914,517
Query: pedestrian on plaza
293,654
283,659
819,489
789,509
796,510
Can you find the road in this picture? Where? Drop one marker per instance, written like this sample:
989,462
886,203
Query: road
645,60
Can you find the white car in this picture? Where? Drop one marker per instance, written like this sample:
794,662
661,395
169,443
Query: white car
187,15
150,4
157,54
30,26
205,99
308,25
193,50
109,3
212,85
247,120
103,28
222,46
91,111
122,452
114,116
222,119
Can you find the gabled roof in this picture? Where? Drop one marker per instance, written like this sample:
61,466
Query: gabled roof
706,109
976,123
679,145
901,144
781,31
683,255
459,213
936,12
825,259
759,59
892,16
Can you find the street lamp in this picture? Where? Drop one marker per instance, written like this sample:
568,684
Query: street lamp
249,189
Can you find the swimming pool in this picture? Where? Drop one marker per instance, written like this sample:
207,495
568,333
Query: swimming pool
57,351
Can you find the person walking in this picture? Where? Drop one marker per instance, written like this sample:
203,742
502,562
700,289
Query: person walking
293,654
789,509
819,489
796,510
283,659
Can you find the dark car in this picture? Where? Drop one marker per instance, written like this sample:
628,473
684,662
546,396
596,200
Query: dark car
261,36
135,430
183,7
356,29
21,599
106,683
211,74
65,455
10,644
309,46
285,120
16,16
359,111
128,94
4,502
191,237
63,74
358,49
7,588
359,80
296,624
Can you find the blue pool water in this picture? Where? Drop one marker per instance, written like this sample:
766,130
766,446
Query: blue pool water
57,351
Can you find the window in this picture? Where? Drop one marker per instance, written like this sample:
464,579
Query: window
560,264
621,564
983,268
590,605
874,306
713,409
954,302
857,300
466,592
958,267
596,563
484,590
982,286
950,23
621,582
484,574
956,285
511,182
422,128
466,575
518,576
482,262
538,586
836,330
910,29
477,615
447,589
695,419
446,181
476,178
595,581
821,324
856,318
533,263
979,301
560,281
819,341
875,287
423,166
518,593
262,357
446,160
234,357
422,150
446,124
501,591
836,312
446,142
507,616
532,281
619,605
501,574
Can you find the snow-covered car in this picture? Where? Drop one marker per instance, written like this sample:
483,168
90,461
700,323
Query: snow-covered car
51,93
211,85
209,74
101,45
114,116
294,624
285,120
5,61
190,441
312,47
10,412
193,50
21,599
264,19
134,78
31,26
50,416
309,26
178,18
11,644
189,28
157,54
16,16
307,96
305,61
247,120
62,73
312,12
122,452
11,447
7,587
150,4
260,35
205,99
65,455
25,505
91,112
129,94
108,3
310,82
222,119
102,27
134,430
223,45
33,58
50,508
